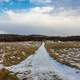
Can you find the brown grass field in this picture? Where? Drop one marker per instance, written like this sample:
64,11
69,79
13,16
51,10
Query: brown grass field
12,53
65,52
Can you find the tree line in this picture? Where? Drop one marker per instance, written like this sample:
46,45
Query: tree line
15,37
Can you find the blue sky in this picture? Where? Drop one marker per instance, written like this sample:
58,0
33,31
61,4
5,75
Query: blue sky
14,4
49,17
26,4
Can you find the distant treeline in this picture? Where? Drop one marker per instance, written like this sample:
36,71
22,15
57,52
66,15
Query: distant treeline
14,37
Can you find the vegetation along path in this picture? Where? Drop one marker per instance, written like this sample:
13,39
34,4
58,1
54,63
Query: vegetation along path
41,66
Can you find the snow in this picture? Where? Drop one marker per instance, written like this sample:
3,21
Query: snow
1,66
21,67
41,62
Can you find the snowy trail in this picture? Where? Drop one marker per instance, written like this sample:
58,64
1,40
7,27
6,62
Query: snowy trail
41,62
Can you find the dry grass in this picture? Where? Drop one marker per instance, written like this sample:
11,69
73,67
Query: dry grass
7,75
65,52
63,44
14,53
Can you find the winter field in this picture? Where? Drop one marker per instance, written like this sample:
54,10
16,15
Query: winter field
65,52
34,60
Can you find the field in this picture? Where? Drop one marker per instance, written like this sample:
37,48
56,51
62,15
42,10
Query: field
12,53
65,52
36,60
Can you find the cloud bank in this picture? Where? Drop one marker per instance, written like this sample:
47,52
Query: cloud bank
42,16
3,32
49,17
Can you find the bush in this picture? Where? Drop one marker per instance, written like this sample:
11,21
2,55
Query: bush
7,75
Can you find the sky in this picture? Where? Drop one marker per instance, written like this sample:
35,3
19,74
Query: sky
45,17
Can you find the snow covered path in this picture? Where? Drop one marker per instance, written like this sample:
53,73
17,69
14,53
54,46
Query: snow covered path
42,66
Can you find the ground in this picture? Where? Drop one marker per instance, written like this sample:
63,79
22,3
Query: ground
65,52
7,75
32,61
12,53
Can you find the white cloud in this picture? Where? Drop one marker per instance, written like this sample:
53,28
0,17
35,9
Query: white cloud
42,10
69,12
42,17
41,1
3,32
